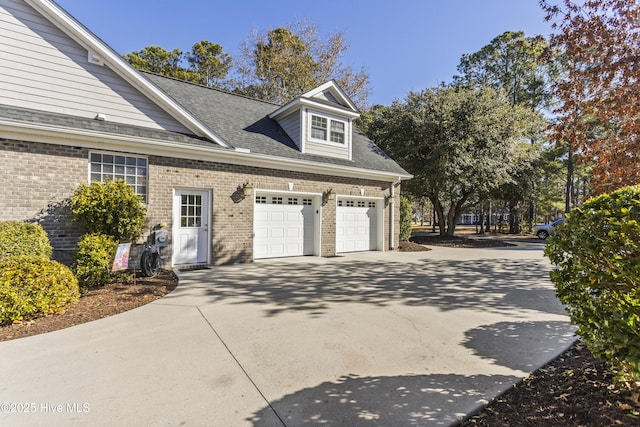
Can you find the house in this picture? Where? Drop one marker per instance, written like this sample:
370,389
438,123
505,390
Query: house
232,178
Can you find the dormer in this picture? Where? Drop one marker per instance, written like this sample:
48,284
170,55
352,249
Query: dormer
320,121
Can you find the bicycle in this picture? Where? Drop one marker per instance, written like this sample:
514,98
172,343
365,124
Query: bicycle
150,258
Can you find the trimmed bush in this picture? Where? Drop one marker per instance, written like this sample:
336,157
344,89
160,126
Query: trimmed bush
31,286
94,260
22,238
406,218
597,255
111,208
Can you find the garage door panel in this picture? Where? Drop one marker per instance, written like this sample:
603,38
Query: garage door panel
356,226
285,230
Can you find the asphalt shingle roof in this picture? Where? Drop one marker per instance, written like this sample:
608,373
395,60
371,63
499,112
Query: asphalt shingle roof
25,115
244,123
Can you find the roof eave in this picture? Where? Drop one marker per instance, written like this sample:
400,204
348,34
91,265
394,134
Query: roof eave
92,139
298,103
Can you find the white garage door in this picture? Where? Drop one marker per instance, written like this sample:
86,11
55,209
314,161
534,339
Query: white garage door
356,225
283,226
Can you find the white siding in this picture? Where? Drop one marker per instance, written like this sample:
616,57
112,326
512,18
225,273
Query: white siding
327,96
291,125
326,150
44,69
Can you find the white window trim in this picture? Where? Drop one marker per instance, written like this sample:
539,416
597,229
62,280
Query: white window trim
118,153
330,117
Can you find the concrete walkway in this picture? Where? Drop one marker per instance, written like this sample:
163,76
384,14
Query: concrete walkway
371,339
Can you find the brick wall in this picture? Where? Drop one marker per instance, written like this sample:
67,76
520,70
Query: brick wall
37,181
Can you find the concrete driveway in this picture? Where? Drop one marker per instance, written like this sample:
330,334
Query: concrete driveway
389,339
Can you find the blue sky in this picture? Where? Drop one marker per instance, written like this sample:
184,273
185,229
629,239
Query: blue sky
404,45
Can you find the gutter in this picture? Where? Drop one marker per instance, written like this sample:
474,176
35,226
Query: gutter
147,146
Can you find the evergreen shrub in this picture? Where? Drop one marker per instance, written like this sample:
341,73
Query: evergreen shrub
94,259
597,257
32,286
23,238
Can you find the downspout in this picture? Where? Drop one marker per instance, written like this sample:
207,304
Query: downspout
392,197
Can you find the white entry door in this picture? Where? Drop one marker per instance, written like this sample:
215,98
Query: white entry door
283,226
191,227
356,225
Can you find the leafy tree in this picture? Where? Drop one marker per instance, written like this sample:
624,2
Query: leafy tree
510,62
457,142
210,62
158,60
283,63
513,63
601,43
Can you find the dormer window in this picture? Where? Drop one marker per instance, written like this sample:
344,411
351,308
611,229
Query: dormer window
337,131
320,122
318,128
327,129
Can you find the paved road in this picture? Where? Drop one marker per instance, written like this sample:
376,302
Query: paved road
365,339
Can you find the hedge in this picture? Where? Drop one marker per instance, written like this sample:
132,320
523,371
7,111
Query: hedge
597,257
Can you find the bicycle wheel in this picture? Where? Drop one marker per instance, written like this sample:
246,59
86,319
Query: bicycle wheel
150,263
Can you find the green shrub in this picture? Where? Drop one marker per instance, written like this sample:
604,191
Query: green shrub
597,254
406,218
22,238
111,208
94,260
32,286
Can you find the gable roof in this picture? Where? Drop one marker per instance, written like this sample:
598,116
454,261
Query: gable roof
341,104
246,123
100,52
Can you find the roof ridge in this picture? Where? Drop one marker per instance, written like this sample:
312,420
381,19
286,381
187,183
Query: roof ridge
217,89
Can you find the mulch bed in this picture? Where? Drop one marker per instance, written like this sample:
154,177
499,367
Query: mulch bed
412,247
458,242
575,389
96,304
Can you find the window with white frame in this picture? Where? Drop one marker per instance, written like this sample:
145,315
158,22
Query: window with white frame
337,132
132,170
327,129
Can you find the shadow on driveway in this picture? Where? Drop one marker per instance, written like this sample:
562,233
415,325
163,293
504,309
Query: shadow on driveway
385,401
494,285
519,345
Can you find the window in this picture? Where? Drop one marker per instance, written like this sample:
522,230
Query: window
350,203
307,202
261,199
133,170
319,128
190,211
372,204
292,201
326,129
360,204
337,132
276,200
339,202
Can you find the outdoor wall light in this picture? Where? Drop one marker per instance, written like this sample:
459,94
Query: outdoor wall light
328,195
247,189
